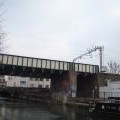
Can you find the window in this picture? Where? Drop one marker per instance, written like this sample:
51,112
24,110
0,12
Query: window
9,78
47,86
119,108
14,84
47,79
36,79
31,85
40,86
41,79
22,83
3,80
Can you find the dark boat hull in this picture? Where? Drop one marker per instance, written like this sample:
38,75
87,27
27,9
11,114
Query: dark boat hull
107,110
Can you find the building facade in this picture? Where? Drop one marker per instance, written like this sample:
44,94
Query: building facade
112,89
15,81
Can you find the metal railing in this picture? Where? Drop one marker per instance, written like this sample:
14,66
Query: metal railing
107,95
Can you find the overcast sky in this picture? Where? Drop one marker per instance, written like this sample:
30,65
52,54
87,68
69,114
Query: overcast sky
63,29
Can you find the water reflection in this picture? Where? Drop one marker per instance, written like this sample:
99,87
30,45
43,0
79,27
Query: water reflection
19,111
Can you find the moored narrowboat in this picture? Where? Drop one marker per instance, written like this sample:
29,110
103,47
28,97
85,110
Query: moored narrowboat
108,107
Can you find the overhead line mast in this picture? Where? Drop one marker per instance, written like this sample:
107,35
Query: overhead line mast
100,48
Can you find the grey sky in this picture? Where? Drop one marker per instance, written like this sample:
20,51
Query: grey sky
63,29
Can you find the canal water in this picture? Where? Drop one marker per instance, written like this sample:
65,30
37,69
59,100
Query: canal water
30,111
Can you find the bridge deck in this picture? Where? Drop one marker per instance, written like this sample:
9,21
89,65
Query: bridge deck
46,64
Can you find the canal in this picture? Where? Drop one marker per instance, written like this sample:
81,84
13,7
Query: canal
30,111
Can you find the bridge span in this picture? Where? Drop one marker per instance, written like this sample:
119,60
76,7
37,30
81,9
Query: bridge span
66,77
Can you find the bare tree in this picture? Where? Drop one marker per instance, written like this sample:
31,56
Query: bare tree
2,33
114,67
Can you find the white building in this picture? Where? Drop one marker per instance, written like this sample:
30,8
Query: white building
15,81
111,90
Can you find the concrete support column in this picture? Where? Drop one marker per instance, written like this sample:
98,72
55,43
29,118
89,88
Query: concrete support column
87,85
73,83
61,83
66,84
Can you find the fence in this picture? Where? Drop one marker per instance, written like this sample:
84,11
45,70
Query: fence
109,95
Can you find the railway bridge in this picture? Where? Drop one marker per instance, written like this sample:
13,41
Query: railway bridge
68,78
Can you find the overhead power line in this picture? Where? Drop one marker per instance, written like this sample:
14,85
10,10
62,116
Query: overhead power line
89,51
